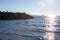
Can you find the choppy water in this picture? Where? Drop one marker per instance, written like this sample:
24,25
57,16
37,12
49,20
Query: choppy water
32,29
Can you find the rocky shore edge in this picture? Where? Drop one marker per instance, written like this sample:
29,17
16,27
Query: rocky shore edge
14,15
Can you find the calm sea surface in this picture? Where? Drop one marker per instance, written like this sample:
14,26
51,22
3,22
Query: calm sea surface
33,29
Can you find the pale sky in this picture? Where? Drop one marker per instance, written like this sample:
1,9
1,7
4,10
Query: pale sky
35,7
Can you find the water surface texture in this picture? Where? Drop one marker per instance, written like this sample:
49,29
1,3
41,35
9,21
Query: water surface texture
44,28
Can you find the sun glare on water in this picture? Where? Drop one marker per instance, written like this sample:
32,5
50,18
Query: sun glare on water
50,27
51,16
51,19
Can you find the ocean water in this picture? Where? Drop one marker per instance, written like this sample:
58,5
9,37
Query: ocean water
39,28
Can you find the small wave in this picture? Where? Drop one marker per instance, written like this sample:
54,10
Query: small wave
19,35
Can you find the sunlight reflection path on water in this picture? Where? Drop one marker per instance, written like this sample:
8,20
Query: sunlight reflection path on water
50,27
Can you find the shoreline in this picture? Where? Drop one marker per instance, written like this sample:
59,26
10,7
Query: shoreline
14,16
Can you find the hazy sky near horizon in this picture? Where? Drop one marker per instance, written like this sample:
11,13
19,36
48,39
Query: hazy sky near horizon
35,7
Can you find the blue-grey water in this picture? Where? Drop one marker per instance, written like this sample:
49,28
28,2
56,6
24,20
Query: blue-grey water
31,29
